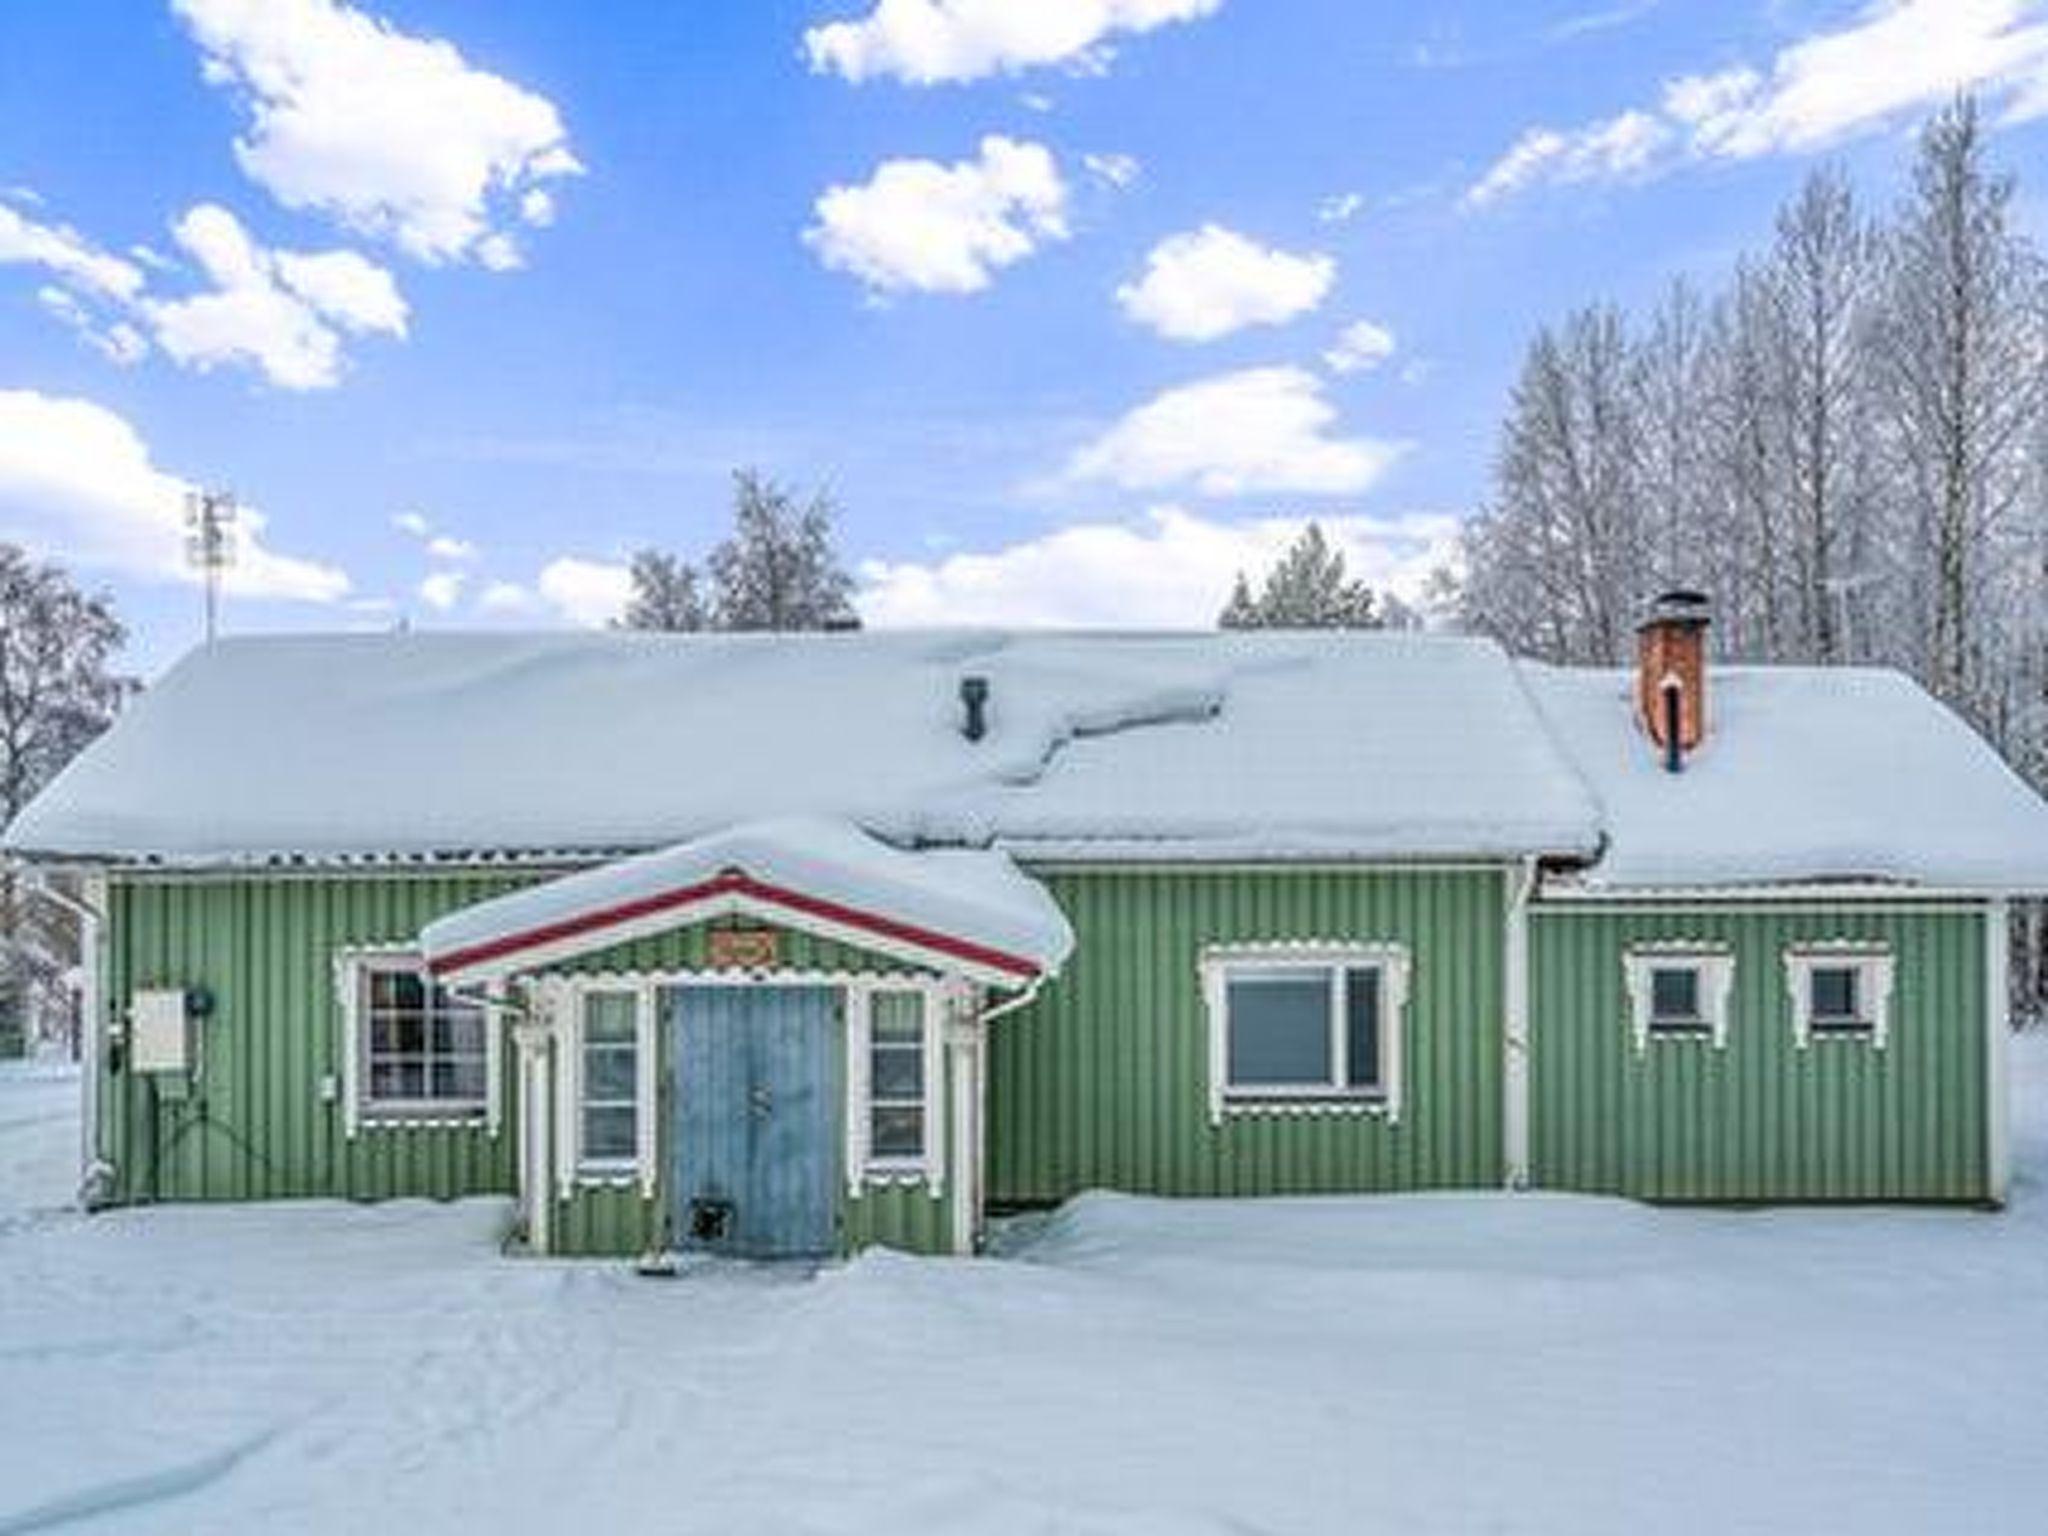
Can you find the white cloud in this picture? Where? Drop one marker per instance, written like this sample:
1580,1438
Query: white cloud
115,340
395,135
1896,57
925,42
1113,170
281,312
917,224
77,480
66,253
1619,146
587,592
505,597
1340,207
1360,347
444,546
349,289
414,523
1259,429
1208,282
1174,569
442,590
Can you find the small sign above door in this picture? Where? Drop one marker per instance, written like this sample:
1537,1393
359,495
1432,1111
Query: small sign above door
744,949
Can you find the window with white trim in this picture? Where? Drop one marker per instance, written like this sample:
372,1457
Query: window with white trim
894,1128
1679,991
897,1108
609,1108
1840,992
1302,1026
422,1051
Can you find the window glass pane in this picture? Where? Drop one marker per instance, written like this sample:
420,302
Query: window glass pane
384,1080
396,988
468,1081
609,1132
1675,994
896,1131
609,1016
1362,1027
406,1032
898,1016
1834,992
898,1072
460,1034
608,1073
1279,1028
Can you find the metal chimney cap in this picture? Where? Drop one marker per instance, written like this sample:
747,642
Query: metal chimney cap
1686,607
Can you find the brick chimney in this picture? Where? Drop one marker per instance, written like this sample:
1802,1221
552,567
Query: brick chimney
1671,673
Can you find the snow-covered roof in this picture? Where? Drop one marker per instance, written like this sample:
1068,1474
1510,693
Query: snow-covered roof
1114,746
1806,774
965,909
465,745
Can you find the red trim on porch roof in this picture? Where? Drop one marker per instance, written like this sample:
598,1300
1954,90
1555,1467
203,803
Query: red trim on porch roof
729,883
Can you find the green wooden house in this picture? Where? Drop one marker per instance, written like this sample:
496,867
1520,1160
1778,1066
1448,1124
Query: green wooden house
784,945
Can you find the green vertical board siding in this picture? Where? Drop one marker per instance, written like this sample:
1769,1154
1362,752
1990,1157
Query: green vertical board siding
254,1125
1103,1082
1760,1119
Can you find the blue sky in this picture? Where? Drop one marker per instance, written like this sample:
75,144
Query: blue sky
1075,305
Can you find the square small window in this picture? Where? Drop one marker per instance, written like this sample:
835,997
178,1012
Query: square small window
1834,997
1840,992
1679,992
1675,997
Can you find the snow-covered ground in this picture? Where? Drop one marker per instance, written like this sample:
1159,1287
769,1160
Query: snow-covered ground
1428,1364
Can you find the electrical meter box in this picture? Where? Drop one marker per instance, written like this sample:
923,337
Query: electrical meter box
159,1031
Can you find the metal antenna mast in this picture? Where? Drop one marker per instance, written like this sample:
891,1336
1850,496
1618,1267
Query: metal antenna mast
210,545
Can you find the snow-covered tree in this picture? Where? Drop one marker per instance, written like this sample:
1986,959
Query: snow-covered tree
58,690
1847,446
1959,359
665,594
778,570
1307,588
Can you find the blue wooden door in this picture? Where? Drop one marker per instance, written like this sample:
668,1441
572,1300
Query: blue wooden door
755,1164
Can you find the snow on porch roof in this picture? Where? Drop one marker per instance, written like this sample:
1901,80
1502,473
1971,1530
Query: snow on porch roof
955,909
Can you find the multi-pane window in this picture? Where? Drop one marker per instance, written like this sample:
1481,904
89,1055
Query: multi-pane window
896,1078
611,1078
423,1049
1303,1029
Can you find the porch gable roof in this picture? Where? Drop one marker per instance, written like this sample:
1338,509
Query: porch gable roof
970,911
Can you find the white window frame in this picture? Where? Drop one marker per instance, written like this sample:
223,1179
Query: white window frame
863,1167
1219,962
1713,964
353,968
1875,966
565,997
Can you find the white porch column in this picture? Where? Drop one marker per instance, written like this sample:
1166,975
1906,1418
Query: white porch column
966,1056
530,1037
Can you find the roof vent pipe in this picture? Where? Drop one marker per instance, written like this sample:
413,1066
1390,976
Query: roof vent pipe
974,702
